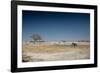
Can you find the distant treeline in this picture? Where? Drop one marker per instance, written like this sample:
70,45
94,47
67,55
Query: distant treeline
84,41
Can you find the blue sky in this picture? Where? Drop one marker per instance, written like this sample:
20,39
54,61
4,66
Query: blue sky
56,26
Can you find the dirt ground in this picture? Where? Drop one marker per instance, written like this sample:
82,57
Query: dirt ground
37,53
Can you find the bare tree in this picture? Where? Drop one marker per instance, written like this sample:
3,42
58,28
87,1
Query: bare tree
64,41
36,38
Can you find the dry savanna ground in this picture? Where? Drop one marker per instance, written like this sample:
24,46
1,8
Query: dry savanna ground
42,52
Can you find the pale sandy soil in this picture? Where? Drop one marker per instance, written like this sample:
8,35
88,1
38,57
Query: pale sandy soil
55,52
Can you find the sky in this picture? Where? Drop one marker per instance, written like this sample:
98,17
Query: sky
55,26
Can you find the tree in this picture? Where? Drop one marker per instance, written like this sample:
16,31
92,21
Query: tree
36,38
64,41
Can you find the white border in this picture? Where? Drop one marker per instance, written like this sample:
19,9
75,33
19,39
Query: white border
53,63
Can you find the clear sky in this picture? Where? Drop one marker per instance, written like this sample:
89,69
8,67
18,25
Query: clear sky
56,26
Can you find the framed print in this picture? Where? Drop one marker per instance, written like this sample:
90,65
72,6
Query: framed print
52,36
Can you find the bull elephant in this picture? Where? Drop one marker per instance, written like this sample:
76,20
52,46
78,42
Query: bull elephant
74,45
